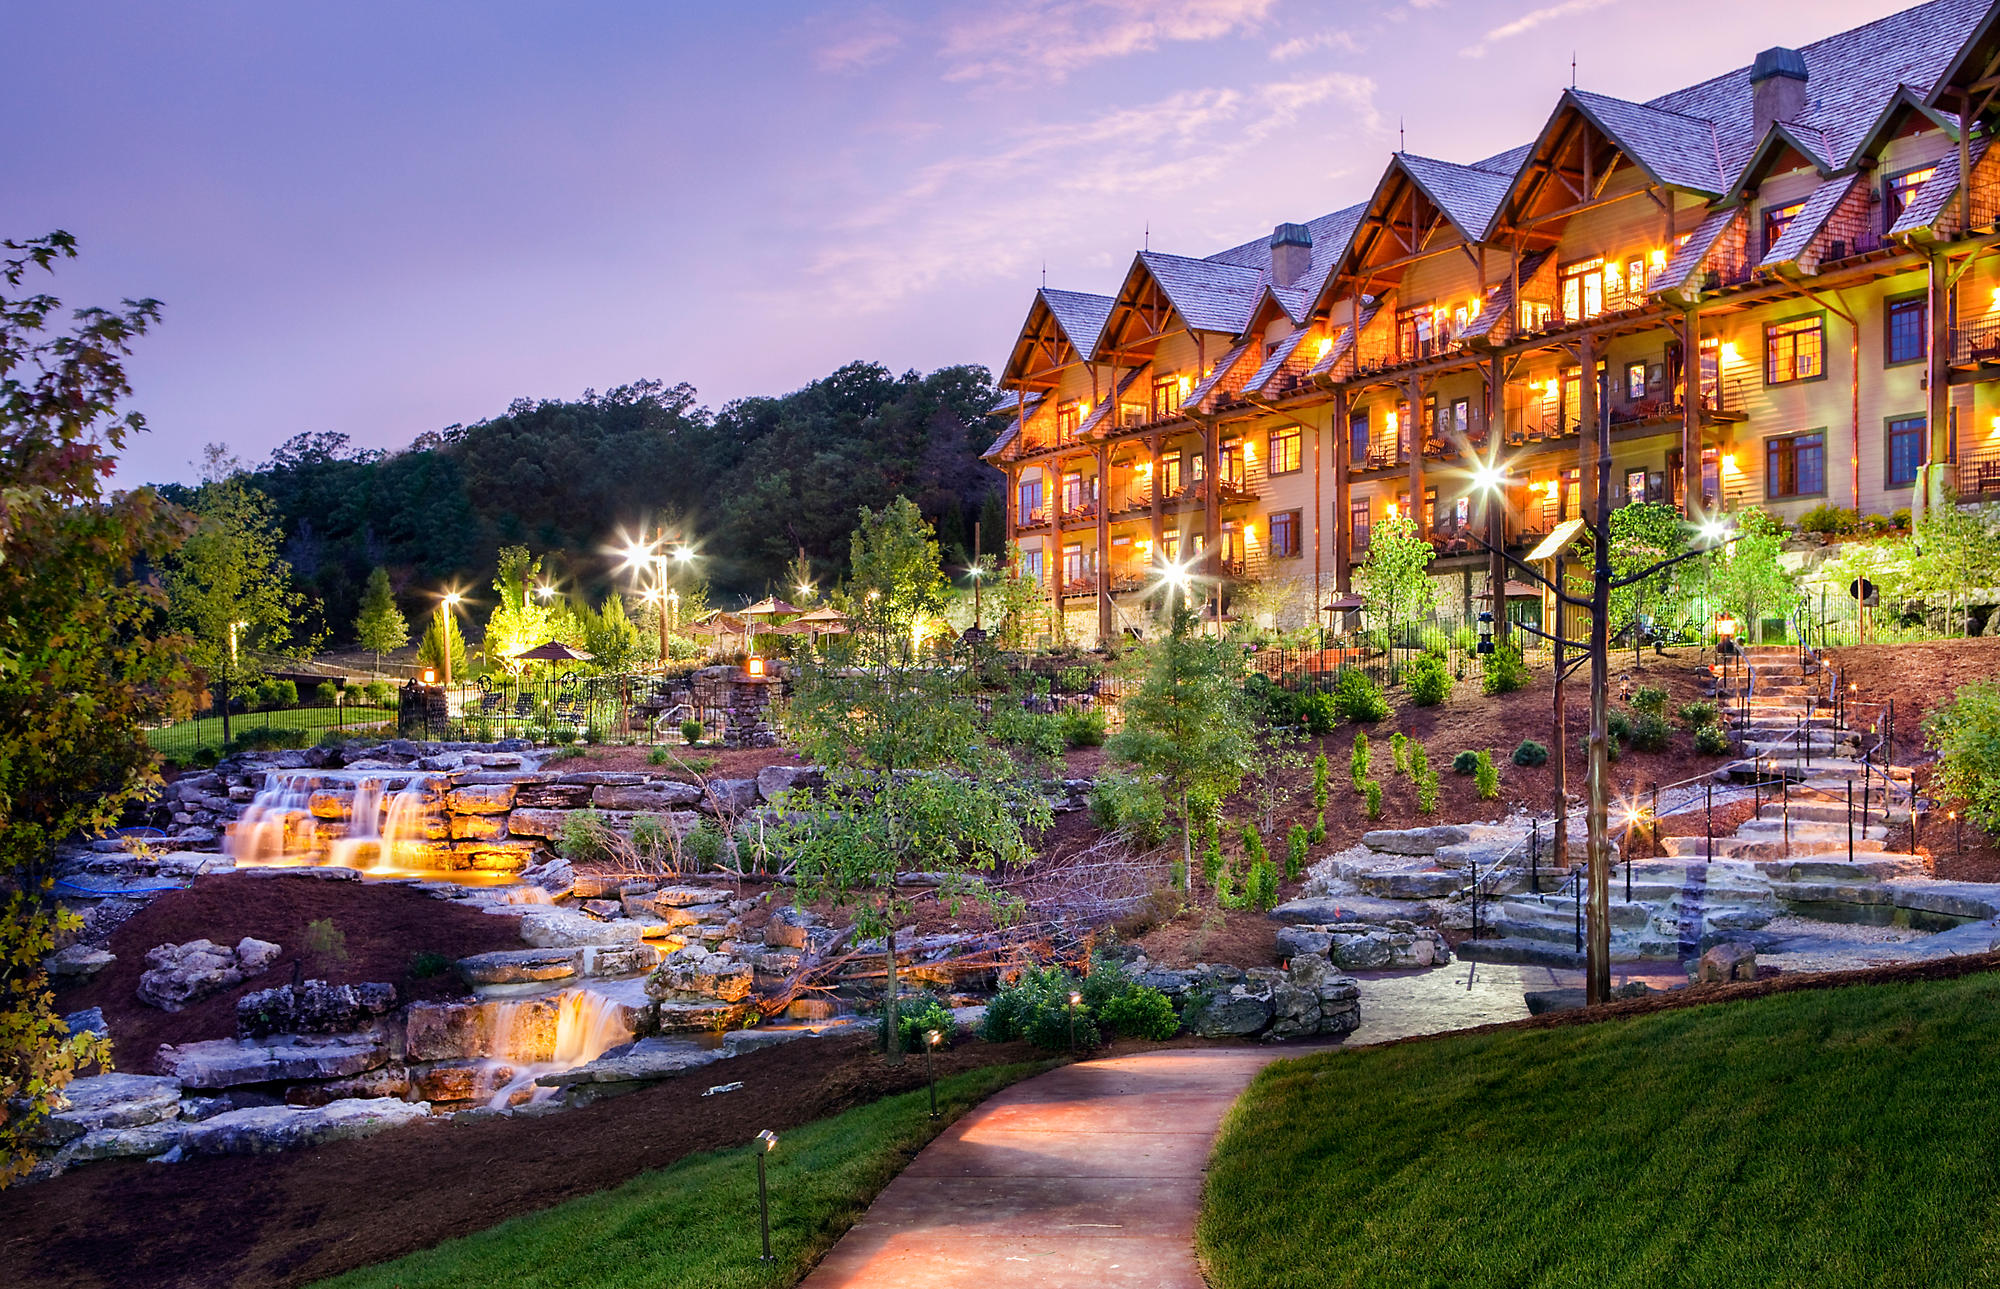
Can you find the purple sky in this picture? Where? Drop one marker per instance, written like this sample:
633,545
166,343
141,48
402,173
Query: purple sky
381,219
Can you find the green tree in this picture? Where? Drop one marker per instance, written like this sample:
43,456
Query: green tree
1395,579
1186,725
381,628
228,588
83,665
911,784
1965,732
1643,534
612,637
1956,551
899,587
443,632
1748,579
520,619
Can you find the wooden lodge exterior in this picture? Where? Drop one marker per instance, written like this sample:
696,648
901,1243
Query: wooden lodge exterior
1790,241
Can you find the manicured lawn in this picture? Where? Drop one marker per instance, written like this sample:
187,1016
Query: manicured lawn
694,1225
1819,1138
183,738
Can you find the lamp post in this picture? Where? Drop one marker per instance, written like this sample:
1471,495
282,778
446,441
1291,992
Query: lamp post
445,607
769,1140
977,573
1075,1000
229,676
931,1040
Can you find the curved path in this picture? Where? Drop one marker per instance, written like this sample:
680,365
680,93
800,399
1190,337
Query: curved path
1088,1176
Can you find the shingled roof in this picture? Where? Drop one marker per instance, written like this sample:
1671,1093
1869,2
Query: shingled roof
1673,148
1929,203
1806,225
1468,196
1693,253
1081,316
1209,296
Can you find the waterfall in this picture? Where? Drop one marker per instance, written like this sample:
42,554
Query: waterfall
260,836
587,1024
361,848
404,832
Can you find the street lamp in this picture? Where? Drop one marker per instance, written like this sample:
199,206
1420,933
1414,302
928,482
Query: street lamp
229,676
1075,1001
770,1142
445,608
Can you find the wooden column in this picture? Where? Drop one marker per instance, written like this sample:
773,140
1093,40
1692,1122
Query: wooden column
1691,507
1319,533
1012,504
1052,558
1414,392
1586,430
1104,616
1496,506
1211,448
1343,493
1937,367
1159,528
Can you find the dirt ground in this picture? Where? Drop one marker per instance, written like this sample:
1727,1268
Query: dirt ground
383,929
297,1217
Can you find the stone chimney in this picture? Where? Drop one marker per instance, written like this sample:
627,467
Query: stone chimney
1291,254
1777,87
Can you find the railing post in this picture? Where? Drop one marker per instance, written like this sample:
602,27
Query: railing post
1850,820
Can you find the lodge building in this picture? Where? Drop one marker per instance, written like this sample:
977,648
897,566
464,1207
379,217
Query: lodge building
1783,281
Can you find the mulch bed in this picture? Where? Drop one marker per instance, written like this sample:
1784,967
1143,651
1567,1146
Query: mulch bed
384,928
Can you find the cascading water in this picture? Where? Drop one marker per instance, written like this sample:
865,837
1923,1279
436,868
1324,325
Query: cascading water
264,835
586,1023
362,846
379,832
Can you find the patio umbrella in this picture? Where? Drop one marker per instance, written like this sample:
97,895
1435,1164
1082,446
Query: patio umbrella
553,652
717,625
1515,591
825,613
768,607
1343,604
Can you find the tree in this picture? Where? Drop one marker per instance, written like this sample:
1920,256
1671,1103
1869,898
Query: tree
520,620
1957,551
1643,534
83,665
228,590
899,586
1395,579
1748,580
381,627
1020,606
1186,727
612,638
443,632
911,784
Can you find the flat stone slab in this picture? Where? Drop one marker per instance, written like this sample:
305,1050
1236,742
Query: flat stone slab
267,1129
1319,909
139,1142
116,1101
1416,841
647,1060
229,1062
517,966
561,928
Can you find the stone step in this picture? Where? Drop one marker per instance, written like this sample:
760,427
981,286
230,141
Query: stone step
1830,812
1507,949
1879,866
1806,830
1819,748
1556,920
1760,849
1827,768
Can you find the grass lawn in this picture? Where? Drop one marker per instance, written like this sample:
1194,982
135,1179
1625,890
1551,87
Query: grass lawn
1818,1138
694,1225
183,738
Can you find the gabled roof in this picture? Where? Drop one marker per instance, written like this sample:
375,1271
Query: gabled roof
1807,224
1009,402
1889,121
1109,404
1499,302
1687,261
1930,201
1973,60
1209,296
1802,141
1343,340
1467,195
1279,355
1217,374
1081,316
1671,147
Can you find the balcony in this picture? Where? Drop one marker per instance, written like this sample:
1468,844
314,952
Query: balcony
1975,345
1033,519
1847,248
1134,497
1977,479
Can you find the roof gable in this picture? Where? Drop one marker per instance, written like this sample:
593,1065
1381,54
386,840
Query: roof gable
1785,147
1209,296
1081,316
1806,225
1673,149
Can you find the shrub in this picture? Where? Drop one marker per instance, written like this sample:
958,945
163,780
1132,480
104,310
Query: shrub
270,739
326,692
1531,753
917,1015
1399,751
1317,711
1506,670
1466,762
650,837
1039,733
1357,761
1697,714
1134,807
380,693
1358,698
1651,733
1824,518
1373,790
426,964
1427,680
585,837
1966,734
690,732
1650,699
1711,740
1260,888
1900,518
1318,833
286,693
1424,777
704,842
1083,728
1297,843
1487,777
326,943
1253,844
1618,725
659,756
1141,1012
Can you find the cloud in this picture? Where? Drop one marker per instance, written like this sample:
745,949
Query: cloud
1300,46
1024,39
1528,22
967,219
859,41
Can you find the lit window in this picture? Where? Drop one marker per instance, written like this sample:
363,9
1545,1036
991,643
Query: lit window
1357,437
1031,564
1795,465
1030,501
1167,393
1635,380
1284,450
1906,320
1360,516
1232,464
1906,450
1794,350
1068,417
1902,189
1170,474
1285,534
1583,290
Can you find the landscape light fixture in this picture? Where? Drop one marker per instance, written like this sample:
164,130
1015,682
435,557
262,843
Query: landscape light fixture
769,1141
544,591
1725,633
931,1039
1074,1000
430,676
753,666
1489,477
1485,632
445,606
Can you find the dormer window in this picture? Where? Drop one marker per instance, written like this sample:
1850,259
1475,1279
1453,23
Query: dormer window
1776,220
1167,392
1901,190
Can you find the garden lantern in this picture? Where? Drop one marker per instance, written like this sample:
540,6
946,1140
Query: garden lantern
931,1039
770,1143
1485,633
753,667
1075,1001
1725,633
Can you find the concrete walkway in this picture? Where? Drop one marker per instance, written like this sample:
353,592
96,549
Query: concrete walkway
1087,1177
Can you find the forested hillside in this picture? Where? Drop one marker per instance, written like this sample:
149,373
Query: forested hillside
753,483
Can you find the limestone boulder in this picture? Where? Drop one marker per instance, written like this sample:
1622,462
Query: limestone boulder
774,780
1236,1013
602,778
547,824
1733,960
79,961
695,975
518,966
179,974
730,796
389,1081
648,1060
229,1062
552,796
461,1080
480,799
312,1007
478,827
100,1101
790,928
1405,884
556,876
1415,841
268,1129
138,1142
650,797
547,928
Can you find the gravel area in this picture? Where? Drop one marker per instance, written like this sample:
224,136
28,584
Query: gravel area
1809,945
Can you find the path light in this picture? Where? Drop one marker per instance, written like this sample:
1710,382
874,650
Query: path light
770,1143
753,667
1485,633
1725,633
931,1040
1075,999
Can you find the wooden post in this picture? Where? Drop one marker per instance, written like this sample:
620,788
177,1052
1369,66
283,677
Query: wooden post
1691,417
1343,492
1496,507
1937,365
1159,529
1559,742
1415,472
1598,957
1053,561
1319,534
1586,429
1104,616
